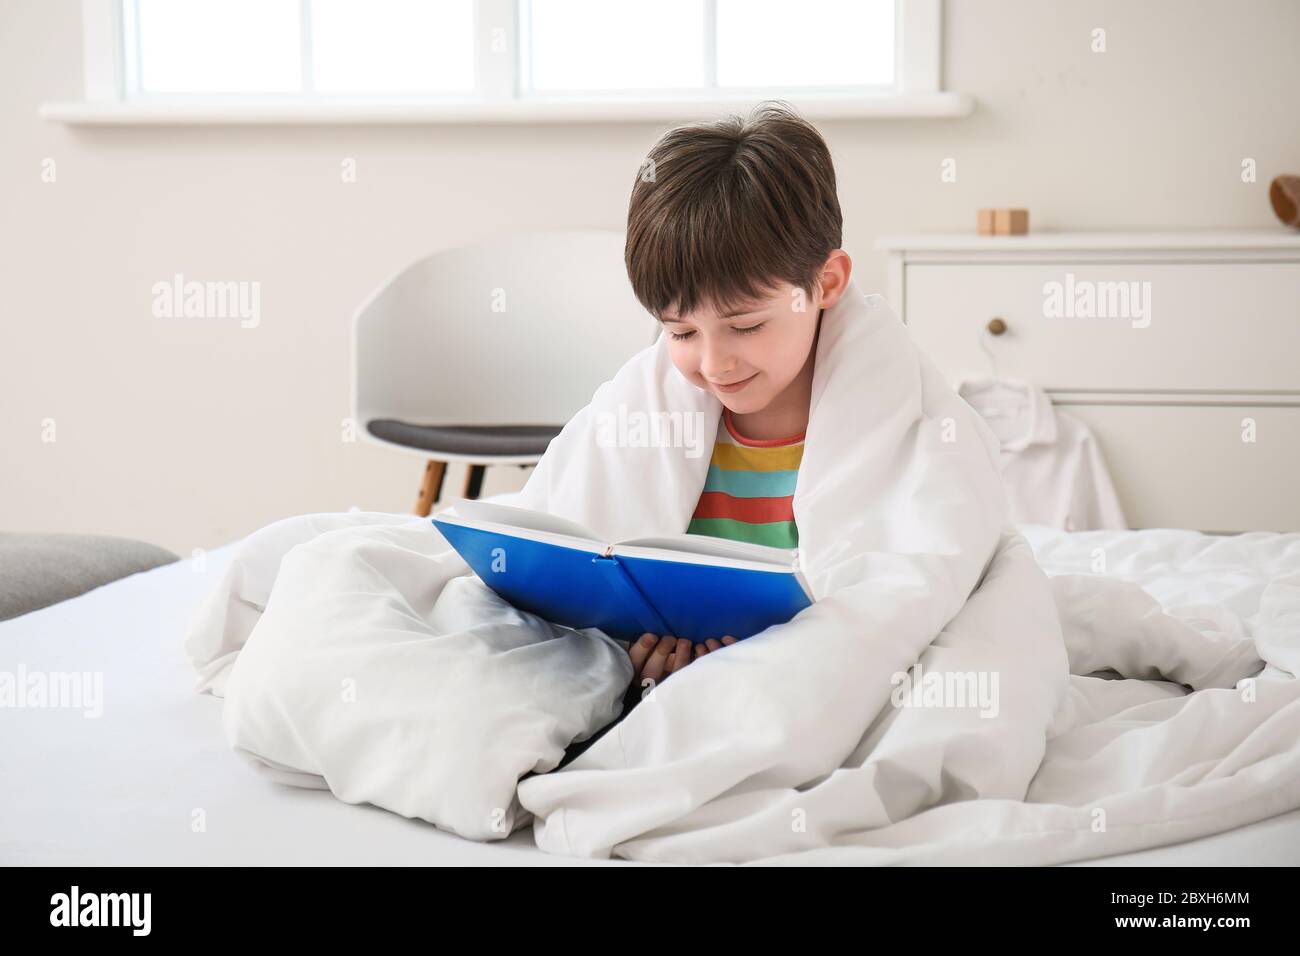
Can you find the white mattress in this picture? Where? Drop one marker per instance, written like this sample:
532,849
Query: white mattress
127,787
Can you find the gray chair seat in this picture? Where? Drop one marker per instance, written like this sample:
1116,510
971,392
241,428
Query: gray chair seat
466,439
37,570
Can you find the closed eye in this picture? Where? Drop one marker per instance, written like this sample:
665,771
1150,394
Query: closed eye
748,330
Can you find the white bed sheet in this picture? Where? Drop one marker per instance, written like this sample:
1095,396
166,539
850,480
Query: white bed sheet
128,787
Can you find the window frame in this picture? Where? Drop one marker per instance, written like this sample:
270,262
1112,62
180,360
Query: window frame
111,97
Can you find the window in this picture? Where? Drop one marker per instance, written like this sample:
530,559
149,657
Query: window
316,48
656,46
506,59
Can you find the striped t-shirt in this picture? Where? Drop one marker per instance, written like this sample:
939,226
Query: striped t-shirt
749,494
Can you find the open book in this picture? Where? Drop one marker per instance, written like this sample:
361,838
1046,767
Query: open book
686,585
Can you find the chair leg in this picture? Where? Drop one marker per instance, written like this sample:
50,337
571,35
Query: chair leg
474,480
430,487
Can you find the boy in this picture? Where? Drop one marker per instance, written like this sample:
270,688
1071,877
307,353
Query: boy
733,238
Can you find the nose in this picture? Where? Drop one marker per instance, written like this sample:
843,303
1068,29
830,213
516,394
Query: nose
716,362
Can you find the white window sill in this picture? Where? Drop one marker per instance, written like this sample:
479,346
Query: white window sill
225,113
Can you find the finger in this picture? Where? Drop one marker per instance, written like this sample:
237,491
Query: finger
655,663
641,650
728,640
700,651
682,655
713,644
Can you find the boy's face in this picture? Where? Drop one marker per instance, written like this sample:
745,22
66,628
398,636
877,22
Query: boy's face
758,347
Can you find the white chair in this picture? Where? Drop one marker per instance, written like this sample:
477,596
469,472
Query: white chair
481,354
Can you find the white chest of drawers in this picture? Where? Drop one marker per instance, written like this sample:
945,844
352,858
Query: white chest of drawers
1180,350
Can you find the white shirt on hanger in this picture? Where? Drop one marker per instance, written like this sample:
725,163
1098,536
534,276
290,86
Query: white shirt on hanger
1051,463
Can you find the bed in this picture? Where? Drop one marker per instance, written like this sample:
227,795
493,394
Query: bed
152,781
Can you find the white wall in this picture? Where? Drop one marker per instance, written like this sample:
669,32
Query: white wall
192,434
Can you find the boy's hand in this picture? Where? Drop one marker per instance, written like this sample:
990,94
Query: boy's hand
657,657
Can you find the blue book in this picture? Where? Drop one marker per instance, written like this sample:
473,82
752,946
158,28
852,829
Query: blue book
686,585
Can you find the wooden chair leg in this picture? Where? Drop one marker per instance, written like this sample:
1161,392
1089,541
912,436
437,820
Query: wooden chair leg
474,480
430,487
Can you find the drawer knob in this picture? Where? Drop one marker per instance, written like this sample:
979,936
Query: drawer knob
997,326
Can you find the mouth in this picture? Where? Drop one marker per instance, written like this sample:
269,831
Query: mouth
734,386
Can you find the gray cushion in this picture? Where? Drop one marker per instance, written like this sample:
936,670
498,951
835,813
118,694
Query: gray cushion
467,439
37,570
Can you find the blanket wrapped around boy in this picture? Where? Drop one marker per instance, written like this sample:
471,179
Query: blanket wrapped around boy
902,717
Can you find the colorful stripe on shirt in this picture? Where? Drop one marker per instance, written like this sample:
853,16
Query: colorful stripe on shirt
749,493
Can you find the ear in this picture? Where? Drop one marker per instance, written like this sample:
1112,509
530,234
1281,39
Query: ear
834,276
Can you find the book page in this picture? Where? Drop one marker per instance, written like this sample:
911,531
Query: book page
520,518
709,546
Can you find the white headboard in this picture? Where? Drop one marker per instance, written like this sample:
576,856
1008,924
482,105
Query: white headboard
1181,351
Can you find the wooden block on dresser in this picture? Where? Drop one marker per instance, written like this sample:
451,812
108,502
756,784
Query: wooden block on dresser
1010,222
984,222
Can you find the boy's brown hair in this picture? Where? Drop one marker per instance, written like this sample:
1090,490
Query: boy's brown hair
722,211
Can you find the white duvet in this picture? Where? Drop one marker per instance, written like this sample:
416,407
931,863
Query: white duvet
934,705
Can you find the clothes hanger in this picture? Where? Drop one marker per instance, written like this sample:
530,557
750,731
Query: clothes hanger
997,399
